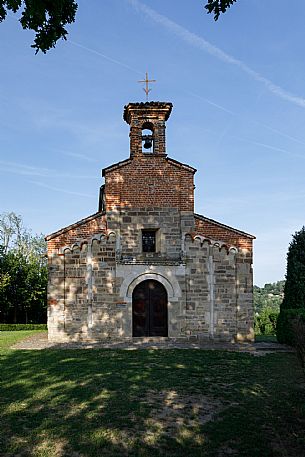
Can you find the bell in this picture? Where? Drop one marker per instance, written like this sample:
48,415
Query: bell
148,142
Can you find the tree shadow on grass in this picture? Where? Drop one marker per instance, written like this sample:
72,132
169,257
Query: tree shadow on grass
130,403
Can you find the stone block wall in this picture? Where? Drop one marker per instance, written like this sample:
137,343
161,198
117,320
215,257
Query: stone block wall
219,299
82,292
169,224
209,292
95,264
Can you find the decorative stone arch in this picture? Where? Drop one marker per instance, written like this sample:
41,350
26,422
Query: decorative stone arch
233,250
157,277
79,244
131,281
220,245
72,247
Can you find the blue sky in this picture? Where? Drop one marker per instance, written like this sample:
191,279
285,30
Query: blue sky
239,112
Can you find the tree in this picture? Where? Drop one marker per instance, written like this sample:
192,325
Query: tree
10,231
23,272
218,6
270,296
267,302
294,291
47,18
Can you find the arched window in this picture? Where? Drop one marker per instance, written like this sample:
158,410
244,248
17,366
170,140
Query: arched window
147,137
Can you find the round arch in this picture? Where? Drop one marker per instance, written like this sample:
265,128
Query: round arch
149,309
153,276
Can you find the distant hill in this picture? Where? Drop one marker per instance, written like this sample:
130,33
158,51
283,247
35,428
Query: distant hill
271,296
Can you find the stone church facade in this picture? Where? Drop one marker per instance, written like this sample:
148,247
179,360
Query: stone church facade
145,265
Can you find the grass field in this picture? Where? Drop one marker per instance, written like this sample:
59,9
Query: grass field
116,403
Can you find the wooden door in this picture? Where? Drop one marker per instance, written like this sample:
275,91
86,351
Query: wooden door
149,309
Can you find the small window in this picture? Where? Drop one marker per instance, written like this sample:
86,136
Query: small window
101,204
149,240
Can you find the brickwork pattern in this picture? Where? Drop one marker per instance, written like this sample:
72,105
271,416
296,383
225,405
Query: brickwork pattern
147,115
212,229
95,263
79,232
150,181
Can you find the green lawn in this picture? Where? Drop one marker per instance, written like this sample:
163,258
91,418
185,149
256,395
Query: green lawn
7,339
152,403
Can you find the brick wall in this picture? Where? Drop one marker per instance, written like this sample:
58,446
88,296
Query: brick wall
152,116
80,231
150,181
212,229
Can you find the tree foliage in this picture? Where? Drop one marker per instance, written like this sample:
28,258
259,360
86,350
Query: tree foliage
267,302
269,296
23,272
294,291
217,7
47,18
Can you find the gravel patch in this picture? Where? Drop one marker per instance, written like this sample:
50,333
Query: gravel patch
40,342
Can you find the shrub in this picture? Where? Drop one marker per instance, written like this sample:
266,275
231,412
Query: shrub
298,326
285,327
294,290
265,321
16,327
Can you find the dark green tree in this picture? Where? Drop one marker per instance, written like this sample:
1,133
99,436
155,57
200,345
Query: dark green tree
217,7
47,18
294,291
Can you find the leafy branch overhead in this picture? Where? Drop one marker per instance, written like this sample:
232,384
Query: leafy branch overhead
47,18
217,7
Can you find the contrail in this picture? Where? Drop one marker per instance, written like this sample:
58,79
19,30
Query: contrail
269,146
200,43
93,51
216,105
64,191
27,170
289,137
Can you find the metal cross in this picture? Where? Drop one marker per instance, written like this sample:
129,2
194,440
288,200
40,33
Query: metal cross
146,81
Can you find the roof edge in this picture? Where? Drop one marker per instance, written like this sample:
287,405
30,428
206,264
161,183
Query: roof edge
167,106
168,159
240,232
180,164
76,224
115,165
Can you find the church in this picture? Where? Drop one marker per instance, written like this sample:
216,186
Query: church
145,264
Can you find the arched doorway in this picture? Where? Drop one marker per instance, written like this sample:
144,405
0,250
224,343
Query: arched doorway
149,309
